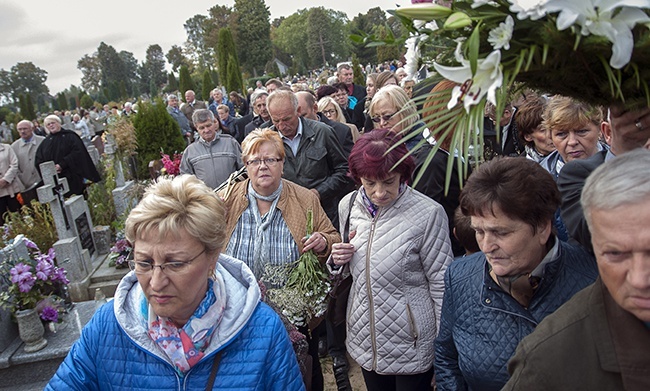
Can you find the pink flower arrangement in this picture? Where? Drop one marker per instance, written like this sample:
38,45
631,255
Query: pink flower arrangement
172,166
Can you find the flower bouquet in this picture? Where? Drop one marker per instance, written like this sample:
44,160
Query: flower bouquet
172,166
298,289
33,283
597,51
118,257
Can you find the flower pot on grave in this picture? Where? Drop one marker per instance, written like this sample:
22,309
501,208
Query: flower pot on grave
102,237
31,330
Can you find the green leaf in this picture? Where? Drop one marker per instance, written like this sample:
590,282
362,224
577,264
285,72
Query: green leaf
424,12
473,45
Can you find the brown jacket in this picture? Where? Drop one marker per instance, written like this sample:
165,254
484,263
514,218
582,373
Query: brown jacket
590,343
293,204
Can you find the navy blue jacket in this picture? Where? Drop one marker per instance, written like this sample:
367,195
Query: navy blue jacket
481,324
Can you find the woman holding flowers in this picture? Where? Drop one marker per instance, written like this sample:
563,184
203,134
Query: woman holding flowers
267,218
186,317
397,255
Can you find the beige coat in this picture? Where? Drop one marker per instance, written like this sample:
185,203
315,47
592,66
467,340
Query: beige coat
9,171
26,153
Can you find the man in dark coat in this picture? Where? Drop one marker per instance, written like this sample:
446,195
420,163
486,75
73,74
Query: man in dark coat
69,154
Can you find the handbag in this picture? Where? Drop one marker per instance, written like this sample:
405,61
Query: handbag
341,282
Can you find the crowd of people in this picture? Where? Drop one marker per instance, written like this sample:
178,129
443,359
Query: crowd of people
533,272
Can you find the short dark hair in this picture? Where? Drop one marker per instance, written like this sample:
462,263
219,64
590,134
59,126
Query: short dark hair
340,86
529,116
371,158
520,187
464,232
325,90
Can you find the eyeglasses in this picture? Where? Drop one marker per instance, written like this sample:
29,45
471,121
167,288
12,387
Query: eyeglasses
269,162
340,95
169,268
329,112
386,118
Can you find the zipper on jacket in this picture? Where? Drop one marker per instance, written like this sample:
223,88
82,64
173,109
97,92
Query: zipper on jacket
371,311
414,331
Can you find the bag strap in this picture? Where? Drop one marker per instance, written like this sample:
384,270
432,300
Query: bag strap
346,228
213,372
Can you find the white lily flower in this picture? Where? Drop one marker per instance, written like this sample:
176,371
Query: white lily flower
473,88
500,36
478,3
533,9
612,19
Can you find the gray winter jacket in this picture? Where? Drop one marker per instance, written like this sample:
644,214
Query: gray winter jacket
212,162
398,272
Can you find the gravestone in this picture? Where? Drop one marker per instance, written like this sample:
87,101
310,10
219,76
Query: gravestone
122,194
52,193
69,221
94,154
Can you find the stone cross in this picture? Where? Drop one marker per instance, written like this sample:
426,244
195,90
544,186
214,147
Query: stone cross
52,193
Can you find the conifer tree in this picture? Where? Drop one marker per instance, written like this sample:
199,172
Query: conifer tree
207,86
185,82
155,130
234,81
358,72
225,47
172,83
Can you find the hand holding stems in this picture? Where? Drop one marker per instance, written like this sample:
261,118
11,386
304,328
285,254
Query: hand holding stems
316,242
342,252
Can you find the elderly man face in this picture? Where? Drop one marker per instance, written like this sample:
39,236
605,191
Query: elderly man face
408,87
189,96
218,96
285,118
346,75
621,241
25,130
260,107
173,102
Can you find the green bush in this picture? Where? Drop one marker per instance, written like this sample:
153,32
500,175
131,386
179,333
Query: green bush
155,130
35,222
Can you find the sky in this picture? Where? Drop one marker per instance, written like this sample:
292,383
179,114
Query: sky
54,35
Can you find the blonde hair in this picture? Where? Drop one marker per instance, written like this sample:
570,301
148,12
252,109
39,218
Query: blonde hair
567,113
51,118
328,100
180,203
396,96
256,138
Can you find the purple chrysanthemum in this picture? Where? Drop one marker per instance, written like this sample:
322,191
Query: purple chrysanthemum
30,244
50,314
59,275
20,272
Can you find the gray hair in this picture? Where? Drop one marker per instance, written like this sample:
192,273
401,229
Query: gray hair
202,115
282,95
620,181
256,94
171,96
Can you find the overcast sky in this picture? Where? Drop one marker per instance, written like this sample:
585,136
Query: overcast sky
54,35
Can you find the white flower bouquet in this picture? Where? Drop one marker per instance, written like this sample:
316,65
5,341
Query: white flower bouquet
597,51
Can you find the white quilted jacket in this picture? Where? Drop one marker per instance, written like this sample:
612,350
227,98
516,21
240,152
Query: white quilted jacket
398,272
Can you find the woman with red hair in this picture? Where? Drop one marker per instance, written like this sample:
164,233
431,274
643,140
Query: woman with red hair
398,253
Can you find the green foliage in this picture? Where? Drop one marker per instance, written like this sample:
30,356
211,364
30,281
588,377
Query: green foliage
185,82
100,196
225,47
206,86
155,130
63,103
234,81
4,112
172,83
86,101
29,113
358,72
35,222
253,34
388,52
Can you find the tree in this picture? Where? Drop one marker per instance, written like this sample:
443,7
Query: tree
235,80
225,49
172,83
326,36
86,101
386,52
219,16
155,131
23,78
29,113
185,82
359,79
206,86
176,58
153,68
367,24
195,27
91,70
111,65
253,34
291,37
62,102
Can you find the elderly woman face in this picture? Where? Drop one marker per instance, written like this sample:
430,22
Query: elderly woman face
511,246
265,169
382,191
53,126
386,116
580,142
176,289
